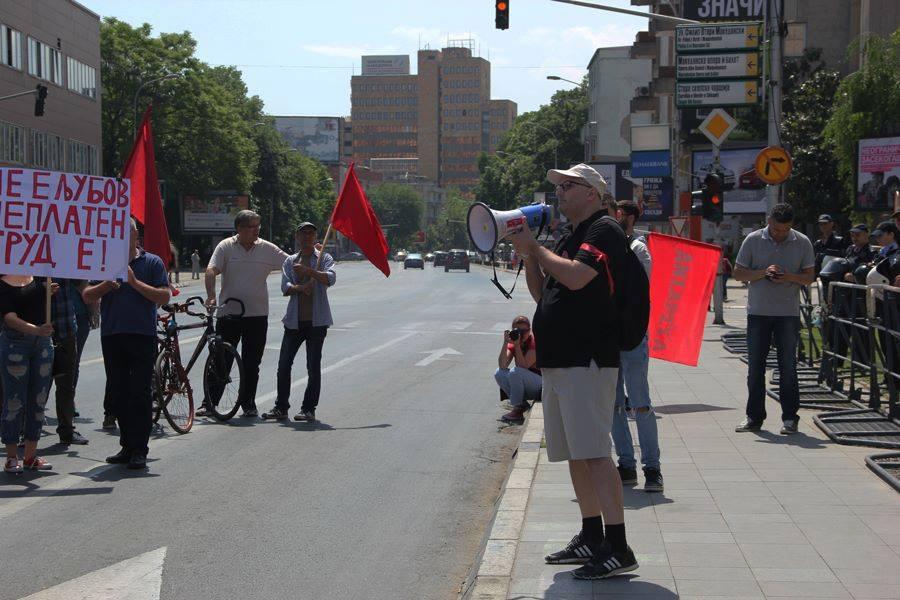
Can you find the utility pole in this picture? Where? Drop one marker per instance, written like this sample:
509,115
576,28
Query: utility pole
774,12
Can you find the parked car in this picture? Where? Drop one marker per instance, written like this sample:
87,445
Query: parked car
750,180
400,256
352,256
440,258
414,261
729,180
429,257
457,259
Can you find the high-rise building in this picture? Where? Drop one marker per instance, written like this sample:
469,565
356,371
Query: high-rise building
434,124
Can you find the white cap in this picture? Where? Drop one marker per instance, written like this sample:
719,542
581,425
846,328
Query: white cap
580,171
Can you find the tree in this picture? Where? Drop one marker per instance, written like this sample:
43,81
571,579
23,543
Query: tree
449,230
400,210
510,179
867,104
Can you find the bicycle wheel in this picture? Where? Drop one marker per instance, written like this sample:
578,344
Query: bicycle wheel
177,399
160,377
223,376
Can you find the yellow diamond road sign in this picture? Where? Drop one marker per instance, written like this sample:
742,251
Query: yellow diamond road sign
717,126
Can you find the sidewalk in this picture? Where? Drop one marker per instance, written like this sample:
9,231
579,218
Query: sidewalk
743,515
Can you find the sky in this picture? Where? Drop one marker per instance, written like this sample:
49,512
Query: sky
299,55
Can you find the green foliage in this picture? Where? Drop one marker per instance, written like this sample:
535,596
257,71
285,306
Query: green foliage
449,230
867,104
400,210
510,179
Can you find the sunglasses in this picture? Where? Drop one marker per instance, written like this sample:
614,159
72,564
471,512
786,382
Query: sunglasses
568,185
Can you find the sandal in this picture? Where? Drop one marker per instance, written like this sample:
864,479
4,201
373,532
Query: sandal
12,465
37,464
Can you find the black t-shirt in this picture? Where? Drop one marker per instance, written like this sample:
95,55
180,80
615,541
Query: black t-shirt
577,326
28,302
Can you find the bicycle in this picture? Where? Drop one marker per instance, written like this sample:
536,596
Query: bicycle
222,372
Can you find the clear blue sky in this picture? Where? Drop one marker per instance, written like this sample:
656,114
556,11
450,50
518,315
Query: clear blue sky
298,55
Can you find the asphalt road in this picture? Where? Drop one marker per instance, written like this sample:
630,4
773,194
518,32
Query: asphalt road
388,496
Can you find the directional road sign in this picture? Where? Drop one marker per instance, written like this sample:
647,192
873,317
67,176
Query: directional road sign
711,38
714,66
773,165
724,92
717,126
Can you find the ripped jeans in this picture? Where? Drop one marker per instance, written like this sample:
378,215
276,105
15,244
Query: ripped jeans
27,364
633,378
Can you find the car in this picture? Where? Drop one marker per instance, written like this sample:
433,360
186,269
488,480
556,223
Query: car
414,261
750,180
400,256
457,259
440,258
352,256
728,178
429,257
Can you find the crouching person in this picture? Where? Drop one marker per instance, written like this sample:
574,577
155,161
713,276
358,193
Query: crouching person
522,381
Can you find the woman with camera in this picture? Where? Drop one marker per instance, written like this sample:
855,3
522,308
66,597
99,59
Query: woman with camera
522,380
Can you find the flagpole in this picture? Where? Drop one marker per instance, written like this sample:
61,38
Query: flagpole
47,298
324,245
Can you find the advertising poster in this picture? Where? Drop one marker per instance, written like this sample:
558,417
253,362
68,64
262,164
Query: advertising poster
745,192
315,137
878,174
214,213
654,196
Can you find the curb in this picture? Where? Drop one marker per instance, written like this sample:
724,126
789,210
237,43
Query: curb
493,571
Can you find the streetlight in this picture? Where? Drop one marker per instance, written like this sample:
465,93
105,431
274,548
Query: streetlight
558,78
555,146
140,87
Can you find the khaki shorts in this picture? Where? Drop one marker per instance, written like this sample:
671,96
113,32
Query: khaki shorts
578,411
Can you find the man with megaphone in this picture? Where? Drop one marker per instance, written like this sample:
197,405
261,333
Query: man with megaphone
577,322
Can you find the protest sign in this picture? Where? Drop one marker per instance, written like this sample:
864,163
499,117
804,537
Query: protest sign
63,224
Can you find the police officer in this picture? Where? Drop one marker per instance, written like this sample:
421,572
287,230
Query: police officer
828,243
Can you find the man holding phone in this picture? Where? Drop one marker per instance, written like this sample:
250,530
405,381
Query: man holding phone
776,261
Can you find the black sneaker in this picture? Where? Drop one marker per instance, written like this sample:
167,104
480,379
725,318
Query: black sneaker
76,439
305,415
138,461
576,553
252,412
628,475
789,427
748,424
653,480
109,422
120,458
607,564
277,413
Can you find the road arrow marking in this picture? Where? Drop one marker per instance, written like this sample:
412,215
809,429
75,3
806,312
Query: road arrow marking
434,355
138,578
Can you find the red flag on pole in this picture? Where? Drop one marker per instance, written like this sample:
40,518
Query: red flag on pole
353,216
146,203
681,284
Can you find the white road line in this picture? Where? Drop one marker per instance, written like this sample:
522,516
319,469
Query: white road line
503,326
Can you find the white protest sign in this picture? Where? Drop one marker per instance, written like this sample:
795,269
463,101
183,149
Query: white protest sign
63,224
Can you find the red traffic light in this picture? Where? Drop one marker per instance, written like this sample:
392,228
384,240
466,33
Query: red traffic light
501,5
501,18
716,199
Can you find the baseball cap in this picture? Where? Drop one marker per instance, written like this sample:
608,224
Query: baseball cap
305,224
825,218
580,171
861,228
886,227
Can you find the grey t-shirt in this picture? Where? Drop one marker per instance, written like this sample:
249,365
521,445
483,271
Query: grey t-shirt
758,251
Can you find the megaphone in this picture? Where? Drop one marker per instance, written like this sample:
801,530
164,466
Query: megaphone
487,226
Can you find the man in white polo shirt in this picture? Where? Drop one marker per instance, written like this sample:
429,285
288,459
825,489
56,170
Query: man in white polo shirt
244,261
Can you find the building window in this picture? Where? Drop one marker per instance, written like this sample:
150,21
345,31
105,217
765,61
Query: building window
47,151
11,47
12,143
83,158
44,62
82,78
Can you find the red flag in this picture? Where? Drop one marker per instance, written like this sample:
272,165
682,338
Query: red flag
146,203
353,216
680,287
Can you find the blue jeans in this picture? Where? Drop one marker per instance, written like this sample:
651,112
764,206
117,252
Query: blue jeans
27,362
519,384
290,345
760,332
633,377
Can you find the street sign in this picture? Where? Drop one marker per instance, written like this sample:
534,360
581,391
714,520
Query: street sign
726,92
714,66
773,165
717,126
678,224
711,38
724,10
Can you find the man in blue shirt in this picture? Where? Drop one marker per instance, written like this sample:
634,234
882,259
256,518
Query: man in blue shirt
128,339
306,280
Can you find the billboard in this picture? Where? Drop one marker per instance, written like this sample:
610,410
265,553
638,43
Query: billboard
212,213
315,137
878,174
745,191
724,10
655,195
397,64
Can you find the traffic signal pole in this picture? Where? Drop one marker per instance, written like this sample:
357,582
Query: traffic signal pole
774,14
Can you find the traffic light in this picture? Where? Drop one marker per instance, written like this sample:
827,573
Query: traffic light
713,197
39,100
501,20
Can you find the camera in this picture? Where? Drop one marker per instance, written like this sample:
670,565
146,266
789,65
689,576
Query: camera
514,335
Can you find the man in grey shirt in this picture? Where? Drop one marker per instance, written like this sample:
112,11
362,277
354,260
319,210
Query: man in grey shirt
775,261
